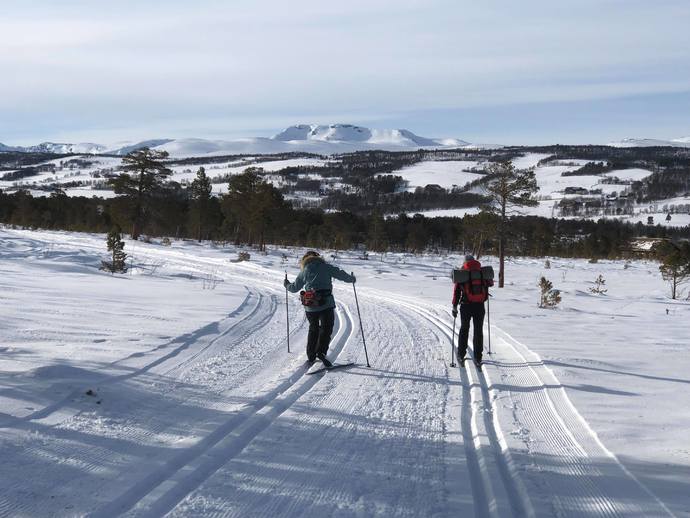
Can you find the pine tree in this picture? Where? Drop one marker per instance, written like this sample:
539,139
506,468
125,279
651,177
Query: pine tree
508,189
252,204
116,247
148,175
200,190
598,287
549,298
675,264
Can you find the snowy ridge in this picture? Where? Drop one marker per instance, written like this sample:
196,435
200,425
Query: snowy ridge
648,142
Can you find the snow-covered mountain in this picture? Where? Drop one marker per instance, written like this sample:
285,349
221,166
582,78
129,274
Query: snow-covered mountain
57,148
123,148
331,139
650,142
350,133
312,138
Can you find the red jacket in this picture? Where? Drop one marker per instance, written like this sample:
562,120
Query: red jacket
460,290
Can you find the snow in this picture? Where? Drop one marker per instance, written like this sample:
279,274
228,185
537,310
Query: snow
633,174
169,389
648,142
64,173
312,138
444,173
528,160
446,213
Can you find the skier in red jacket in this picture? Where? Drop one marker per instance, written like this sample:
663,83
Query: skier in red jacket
471,296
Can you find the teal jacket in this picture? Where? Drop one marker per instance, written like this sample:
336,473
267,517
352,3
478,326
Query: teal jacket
317,274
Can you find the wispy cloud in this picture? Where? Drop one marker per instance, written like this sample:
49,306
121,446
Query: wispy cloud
69,69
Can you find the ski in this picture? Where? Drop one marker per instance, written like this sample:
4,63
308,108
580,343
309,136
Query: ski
333,367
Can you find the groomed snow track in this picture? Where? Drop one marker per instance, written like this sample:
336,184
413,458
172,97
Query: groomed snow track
582,477
410,436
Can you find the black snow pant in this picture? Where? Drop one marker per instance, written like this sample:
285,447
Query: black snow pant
473,311
320,330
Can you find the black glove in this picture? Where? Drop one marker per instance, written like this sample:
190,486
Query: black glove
455,312
286,283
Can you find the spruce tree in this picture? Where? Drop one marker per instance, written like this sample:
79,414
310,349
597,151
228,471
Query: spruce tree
116,247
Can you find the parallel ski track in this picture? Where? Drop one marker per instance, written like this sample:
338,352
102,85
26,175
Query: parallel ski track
109,379
577,444
164,488
403,352
563,431
479,426
239,331
69,427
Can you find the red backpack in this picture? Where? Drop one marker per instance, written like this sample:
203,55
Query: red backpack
476,288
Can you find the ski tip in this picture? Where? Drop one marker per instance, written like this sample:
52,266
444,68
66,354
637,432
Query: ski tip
332,367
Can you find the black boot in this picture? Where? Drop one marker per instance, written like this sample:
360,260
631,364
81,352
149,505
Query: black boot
326,362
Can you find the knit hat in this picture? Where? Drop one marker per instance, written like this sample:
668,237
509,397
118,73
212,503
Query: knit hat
468,258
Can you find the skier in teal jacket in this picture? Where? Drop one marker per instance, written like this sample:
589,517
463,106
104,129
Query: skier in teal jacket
315,282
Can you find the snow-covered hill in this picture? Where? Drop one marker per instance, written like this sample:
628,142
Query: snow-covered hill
649,142
52,147
169,391
311,138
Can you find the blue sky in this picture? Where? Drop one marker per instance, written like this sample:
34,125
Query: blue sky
532,72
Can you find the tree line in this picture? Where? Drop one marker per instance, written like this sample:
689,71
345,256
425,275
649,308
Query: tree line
254,212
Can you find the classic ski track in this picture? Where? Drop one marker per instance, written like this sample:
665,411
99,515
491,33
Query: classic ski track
566,432
181,258
580,431
160,491
93,459
482,493
110,379
194,356
410,354
510,498
240,331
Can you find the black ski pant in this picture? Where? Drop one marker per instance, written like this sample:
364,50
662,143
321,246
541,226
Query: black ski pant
472,311
320,330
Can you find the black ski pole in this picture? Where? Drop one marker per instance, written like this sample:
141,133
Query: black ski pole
361,328
287,314
452,343
488,314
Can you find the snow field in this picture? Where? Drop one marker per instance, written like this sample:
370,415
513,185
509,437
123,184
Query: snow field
199,410
444,173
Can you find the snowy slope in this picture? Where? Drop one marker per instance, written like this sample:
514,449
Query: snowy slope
169,390
444,173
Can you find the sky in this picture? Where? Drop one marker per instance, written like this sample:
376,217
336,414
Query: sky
496,71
